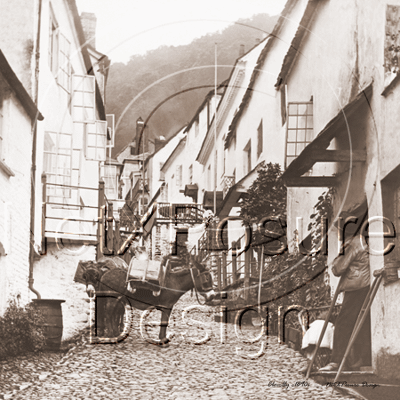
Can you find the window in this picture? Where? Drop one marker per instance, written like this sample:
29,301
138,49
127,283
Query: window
196,127
391,45
208,114
179,175
215,168
299,129
162,174
164,193
53,43
110,181
64,72
209,177
96,139
2,155
283,103
224,156
110,130
190,174
57,162
83,101
259,139
247,158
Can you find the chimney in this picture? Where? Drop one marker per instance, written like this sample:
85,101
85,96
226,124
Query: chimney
89,22
159,143
241,50
258,41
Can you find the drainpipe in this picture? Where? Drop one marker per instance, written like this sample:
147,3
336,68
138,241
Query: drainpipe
33,168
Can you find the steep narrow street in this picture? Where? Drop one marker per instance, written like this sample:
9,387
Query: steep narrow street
135,369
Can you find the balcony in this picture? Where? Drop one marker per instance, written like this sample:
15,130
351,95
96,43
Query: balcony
180,213
138,188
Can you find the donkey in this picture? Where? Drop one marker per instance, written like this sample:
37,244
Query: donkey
145,295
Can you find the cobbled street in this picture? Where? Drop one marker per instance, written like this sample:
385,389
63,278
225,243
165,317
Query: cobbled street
135,369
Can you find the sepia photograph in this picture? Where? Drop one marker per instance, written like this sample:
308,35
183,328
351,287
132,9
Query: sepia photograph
199,200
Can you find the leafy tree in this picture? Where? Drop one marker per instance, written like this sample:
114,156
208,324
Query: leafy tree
266,195
289,278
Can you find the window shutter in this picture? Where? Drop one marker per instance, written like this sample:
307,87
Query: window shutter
64,72
83,101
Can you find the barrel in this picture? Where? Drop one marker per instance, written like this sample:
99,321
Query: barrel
52,323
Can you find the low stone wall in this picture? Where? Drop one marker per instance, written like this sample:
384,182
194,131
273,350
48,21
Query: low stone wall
53,277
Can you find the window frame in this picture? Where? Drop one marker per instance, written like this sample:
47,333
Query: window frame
190,174
2,147
97,147
299,145
179,175
64,63
110,177
247,158
260,142
52,166
81,93
111,128
53,45
162,173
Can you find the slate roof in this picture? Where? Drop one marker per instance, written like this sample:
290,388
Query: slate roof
19,90
294,48
258,68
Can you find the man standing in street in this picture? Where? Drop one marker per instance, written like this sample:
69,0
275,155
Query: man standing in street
353,268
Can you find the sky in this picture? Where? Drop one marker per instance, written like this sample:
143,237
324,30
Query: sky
128,27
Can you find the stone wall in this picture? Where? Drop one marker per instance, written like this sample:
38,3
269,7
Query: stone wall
54,279
16,150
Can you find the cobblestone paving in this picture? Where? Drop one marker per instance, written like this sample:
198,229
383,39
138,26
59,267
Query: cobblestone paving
135,369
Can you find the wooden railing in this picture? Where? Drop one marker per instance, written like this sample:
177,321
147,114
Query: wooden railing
138,188
66,211
102,229
181,213
232,264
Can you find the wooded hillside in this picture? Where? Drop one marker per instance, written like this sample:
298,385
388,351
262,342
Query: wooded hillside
171,82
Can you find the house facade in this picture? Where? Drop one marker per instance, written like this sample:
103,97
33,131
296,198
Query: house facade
341,75
250,126
18,115
46,46
176,180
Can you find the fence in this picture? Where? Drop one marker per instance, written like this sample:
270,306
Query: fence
93,223
64,217
231,265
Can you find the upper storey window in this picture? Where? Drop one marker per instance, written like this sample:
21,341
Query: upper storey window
299,129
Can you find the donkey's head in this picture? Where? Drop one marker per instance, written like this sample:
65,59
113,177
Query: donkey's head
92,278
